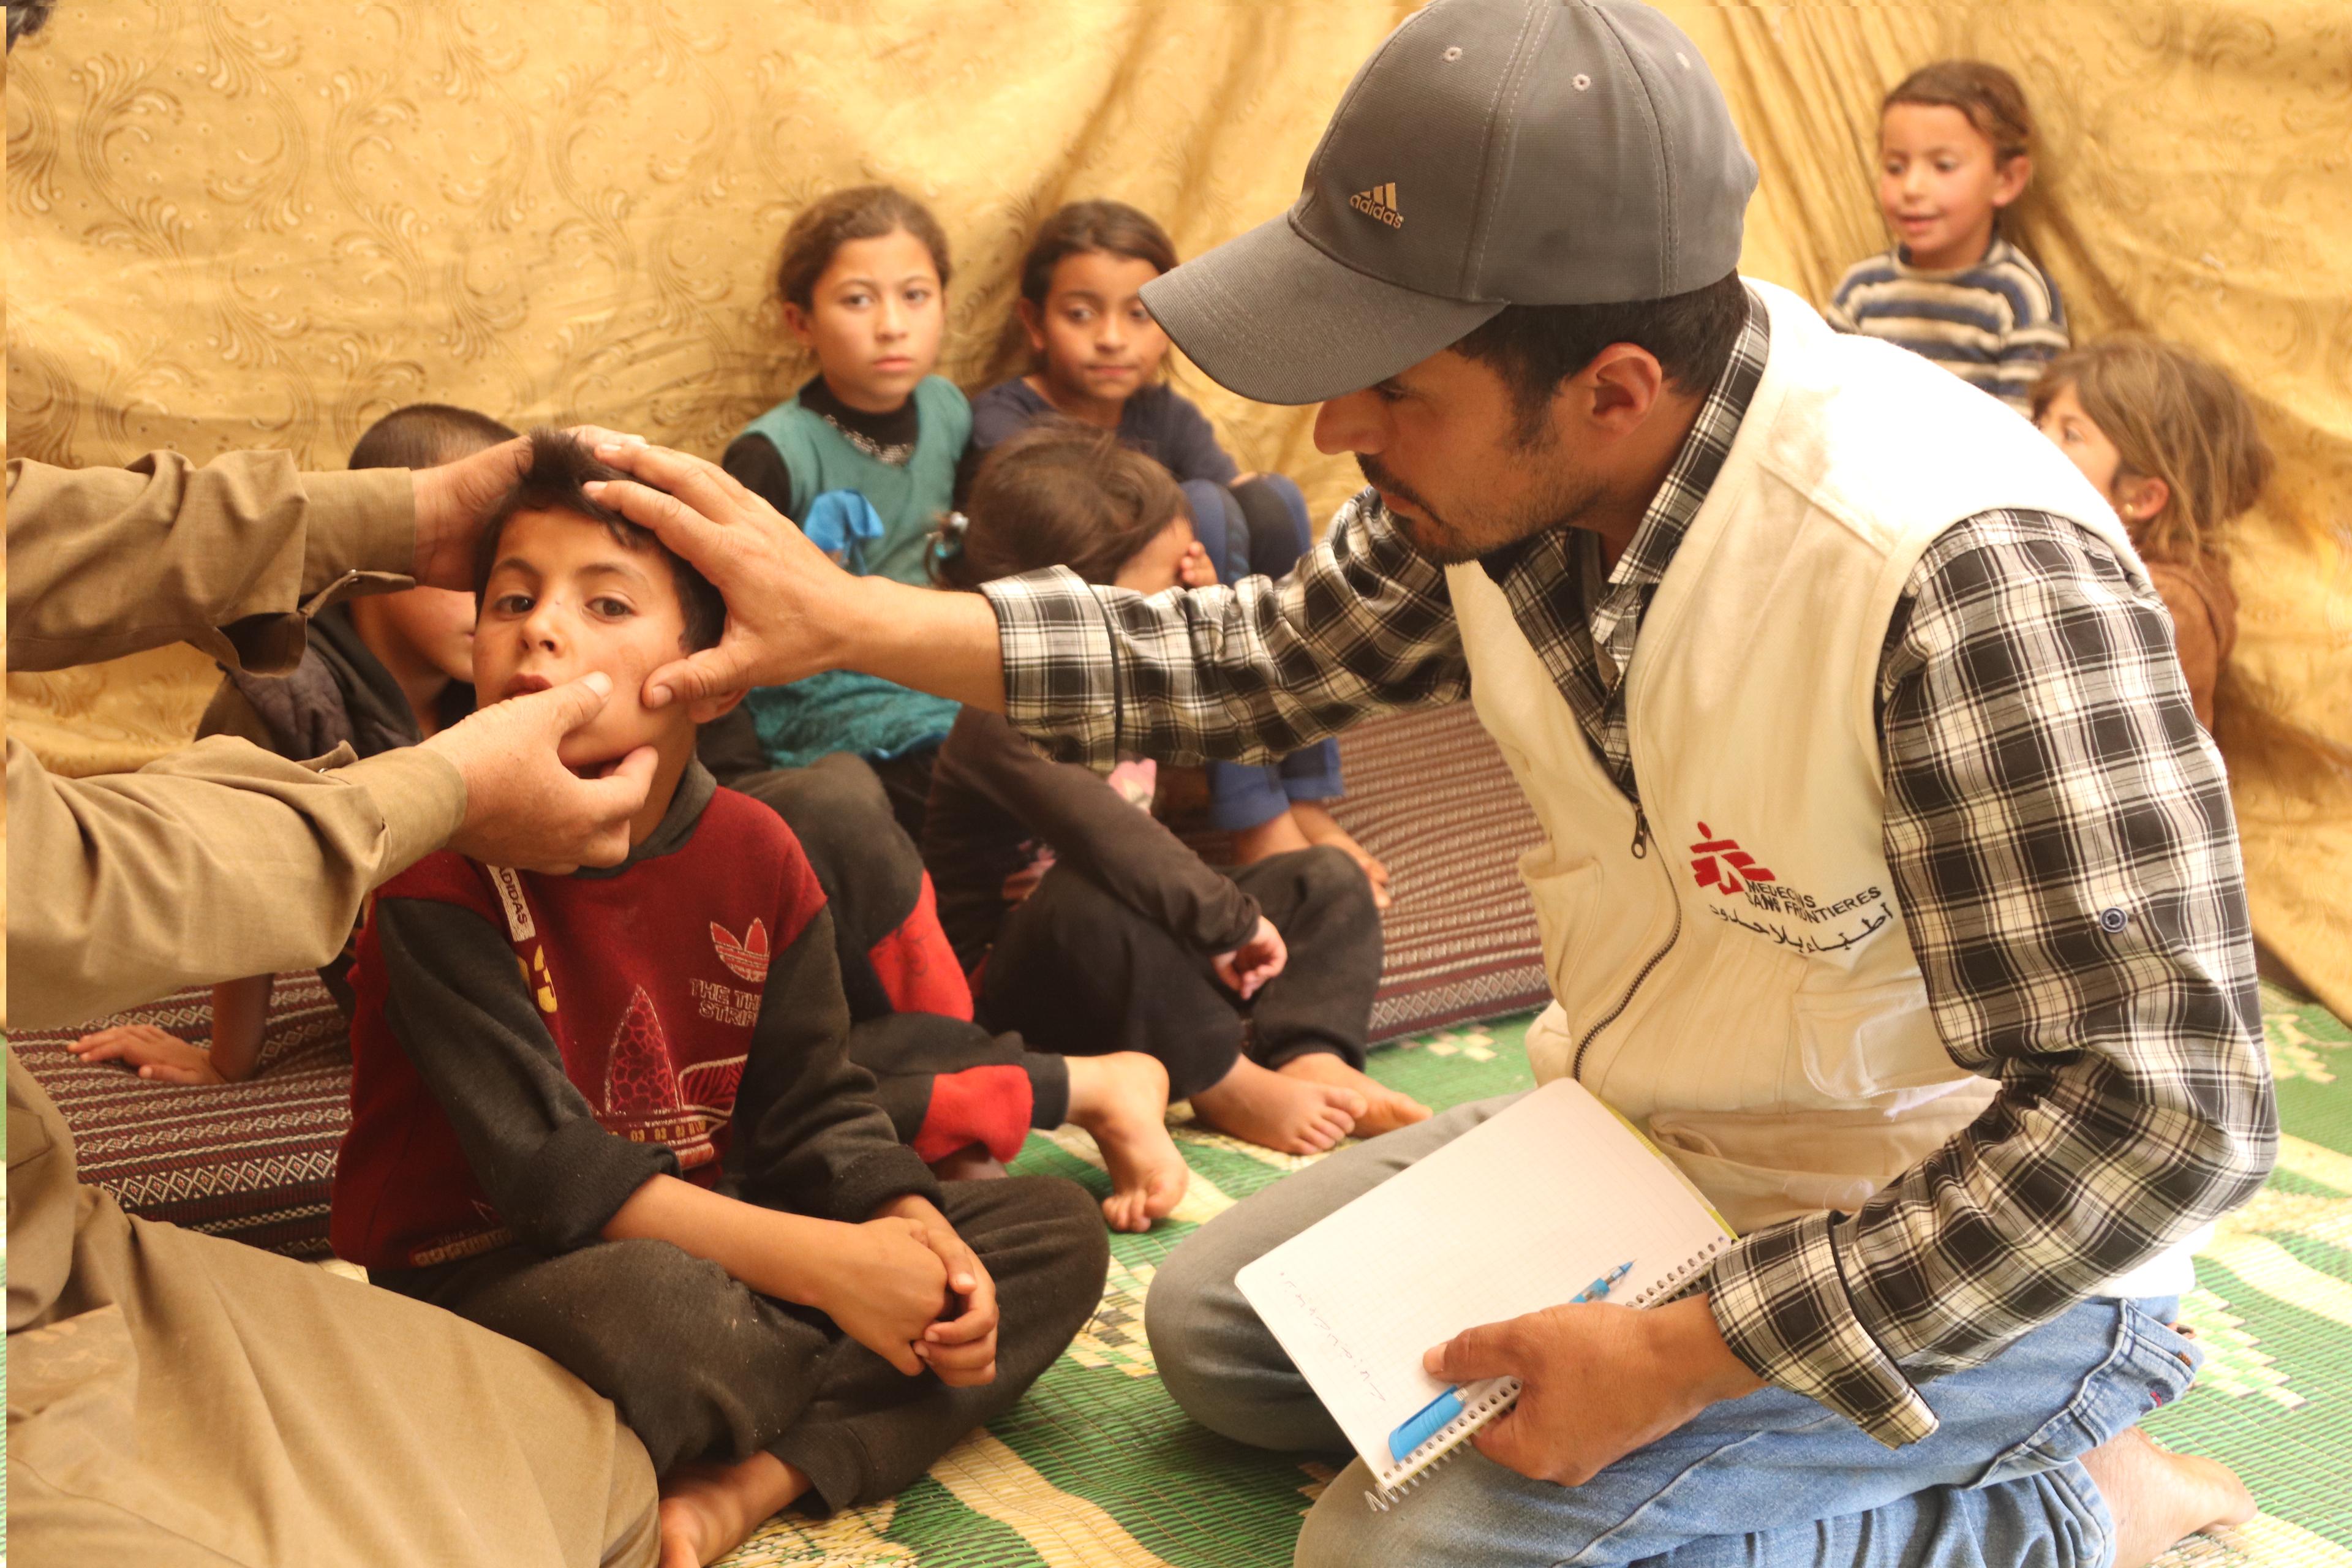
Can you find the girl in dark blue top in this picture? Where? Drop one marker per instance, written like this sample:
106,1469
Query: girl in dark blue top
1097,358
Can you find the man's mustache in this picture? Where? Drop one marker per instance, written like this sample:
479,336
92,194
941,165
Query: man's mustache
1376,475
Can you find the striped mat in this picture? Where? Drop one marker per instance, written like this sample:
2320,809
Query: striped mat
252,1162
1098,1468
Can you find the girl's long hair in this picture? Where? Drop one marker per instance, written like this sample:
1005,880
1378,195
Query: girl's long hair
1059,494
2175,416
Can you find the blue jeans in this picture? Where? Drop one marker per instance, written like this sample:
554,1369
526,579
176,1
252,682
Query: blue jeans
1767,1480
1260,532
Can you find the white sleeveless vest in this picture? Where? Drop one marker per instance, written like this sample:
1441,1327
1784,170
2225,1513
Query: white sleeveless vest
1730,967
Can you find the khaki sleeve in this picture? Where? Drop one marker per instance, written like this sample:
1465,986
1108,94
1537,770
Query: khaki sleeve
221,860
230,556
231,713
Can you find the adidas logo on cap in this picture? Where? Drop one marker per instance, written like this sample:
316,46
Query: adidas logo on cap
1379,202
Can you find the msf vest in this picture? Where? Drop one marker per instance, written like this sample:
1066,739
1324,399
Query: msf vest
1730,966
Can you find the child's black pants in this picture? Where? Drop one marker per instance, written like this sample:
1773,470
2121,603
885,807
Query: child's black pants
1079,973
703,1367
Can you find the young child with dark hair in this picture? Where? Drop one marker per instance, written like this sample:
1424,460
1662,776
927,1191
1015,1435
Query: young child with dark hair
863,456
380,671
613,1114
1955,149
1091,927
1098,358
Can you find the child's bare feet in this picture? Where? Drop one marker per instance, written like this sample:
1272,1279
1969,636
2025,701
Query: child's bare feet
1122,1099
1290,1115
972,1163
1385,1108
2155,1497
1318,825
708,1510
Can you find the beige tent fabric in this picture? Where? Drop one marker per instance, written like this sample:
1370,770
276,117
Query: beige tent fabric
243,224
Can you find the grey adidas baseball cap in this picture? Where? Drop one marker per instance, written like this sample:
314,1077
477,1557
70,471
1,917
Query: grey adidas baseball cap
1491,152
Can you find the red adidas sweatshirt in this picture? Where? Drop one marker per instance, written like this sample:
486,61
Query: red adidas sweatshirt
529,1050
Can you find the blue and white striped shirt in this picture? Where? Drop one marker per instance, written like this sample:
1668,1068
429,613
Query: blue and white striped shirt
1994,324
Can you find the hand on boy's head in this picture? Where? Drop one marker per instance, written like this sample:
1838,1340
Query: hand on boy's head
779,588
455,499
523,807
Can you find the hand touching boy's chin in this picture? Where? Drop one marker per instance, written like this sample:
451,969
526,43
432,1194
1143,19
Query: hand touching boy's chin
620,728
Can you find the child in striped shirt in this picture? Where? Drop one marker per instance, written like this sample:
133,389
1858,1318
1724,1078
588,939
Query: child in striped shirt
1955,142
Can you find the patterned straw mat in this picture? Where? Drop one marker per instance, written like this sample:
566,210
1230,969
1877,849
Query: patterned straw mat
1427,792
1098,1468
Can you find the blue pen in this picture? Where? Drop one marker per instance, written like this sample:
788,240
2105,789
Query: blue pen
1432,1418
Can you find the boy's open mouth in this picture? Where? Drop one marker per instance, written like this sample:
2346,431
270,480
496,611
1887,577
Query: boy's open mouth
524,685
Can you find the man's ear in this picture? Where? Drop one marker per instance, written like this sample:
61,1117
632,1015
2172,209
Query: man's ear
1032,324
2010,180
703,709
1616,392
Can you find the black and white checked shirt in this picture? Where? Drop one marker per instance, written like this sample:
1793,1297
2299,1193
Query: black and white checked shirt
2058,826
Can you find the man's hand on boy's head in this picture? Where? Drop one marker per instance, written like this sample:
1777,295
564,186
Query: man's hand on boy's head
781,592
961,1348
452,500
526,809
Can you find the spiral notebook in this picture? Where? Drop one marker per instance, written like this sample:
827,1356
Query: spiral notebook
1524,1211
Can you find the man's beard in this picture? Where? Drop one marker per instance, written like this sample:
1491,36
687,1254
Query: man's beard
1436,538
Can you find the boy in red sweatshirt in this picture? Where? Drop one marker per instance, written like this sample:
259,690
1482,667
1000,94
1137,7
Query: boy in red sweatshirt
612,1115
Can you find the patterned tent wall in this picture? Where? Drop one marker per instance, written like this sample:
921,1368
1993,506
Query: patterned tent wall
236,223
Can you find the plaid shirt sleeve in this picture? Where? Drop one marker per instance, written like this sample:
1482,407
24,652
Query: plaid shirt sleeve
2063,847
1361,625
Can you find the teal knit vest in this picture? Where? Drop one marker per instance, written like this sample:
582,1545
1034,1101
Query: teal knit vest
909,498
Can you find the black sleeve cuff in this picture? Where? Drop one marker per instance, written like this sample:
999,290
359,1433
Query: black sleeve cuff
578,1181
874,1179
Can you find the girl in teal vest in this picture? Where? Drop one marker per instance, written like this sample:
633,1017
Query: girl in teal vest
864,456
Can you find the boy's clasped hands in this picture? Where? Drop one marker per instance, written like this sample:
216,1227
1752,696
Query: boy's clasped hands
910,1290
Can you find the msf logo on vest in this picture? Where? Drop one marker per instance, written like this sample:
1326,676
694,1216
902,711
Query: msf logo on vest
1379,202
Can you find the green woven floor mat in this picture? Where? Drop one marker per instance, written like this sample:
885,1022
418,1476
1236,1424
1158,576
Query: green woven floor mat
1097,1467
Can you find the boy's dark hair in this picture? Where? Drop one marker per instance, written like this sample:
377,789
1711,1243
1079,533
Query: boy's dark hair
1534,348
1059,494
1987,94
425,435
560,464
832,221
1080,226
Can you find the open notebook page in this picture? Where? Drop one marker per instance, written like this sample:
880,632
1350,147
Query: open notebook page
1521,1213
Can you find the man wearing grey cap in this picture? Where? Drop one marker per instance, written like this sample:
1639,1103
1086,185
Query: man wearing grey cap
1889,884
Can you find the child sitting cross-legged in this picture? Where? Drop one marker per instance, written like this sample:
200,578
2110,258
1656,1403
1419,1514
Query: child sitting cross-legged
1956,151
1099,359
611,1114
380,672
1093,928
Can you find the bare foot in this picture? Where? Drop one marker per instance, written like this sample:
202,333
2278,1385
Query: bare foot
1122,1099
1290,1115
972,1163
708,1510
1385,1108
1320,827
2156,1496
